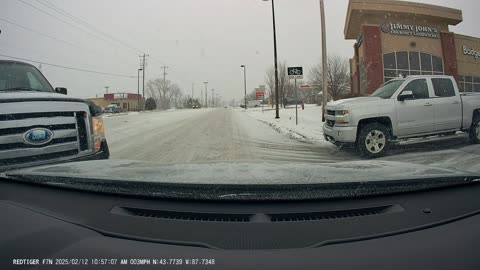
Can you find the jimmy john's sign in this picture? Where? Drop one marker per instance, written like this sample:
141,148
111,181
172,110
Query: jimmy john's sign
411,30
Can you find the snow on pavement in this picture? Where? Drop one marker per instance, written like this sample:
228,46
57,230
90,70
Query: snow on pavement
455,153
309,126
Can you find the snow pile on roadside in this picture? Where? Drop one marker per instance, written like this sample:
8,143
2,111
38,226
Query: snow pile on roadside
309,126
105,115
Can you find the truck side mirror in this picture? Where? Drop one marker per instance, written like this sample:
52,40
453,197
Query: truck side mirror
407,94
61,90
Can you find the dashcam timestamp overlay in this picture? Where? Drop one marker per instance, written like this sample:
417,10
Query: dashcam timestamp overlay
114,261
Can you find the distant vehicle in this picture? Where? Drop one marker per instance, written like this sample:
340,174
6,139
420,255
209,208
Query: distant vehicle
403,108
288,102
195,107
226,107
113,108
253,103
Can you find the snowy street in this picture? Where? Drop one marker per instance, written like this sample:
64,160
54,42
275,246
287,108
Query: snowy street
222,134
233,134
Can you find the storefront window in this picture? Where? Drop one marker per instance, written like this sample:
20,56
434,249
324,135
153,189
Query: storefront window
389,61
414,60
426,62
469,83
402,60
437,64
411,63
363,79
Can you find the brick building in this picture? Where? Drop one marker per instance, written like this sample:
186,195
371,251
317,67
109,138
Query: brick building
126,101
398,37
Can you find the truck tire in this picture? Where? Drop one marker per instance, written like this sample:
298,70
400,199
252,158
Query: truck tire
373,140
474,132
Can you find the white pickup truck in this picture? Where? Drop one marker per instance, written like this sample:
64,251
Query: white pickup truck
403,108
40,124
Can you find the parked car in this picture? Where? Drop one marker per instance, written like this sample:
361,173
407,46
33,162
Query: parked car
403,108
288,102
40,124
113,108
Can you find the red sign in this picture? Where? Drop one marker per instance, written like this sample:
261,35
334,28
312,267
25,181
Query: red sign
260,95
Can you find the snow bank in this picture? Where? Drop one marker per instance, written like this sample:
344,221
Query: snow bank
309,126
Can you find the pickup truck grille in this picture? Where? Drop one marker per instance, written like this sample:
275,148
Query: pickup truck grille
330,123
69,130
330,112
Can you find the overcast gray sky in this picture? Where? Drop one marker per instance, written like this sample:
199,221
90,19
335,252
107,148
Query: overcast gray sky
199,40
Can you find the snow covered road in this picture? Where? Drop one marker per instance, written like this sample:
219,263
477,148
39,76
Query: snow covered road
208,135
205,135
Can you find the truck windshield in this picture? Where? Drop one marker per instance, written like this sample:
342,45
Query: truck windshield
22,77
388,89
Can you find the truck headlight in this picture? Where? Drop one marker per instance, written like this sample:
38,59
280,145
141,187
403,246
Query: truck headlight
341,112
342,117
98,131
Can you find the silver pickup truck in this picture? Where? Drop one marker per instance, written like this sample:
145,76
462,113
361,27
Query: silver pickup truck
39,124
403,108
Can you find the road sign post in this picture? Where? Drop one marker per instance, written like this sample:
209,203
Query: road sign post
296,103
295,73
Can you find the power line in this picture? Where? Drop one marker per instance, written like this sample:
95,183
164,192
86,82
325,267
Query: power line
55,17
40,33
84,23
66,67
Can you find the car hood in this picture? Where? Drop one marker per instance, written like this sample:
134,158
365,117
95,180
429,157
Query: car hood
239,173
348,102
12,96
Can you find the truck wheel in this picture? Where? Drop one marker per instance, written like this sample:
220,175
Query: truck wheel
475,130
373,140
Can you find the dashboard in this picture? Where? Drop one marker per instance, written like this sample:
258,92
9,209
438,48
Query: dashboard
44,227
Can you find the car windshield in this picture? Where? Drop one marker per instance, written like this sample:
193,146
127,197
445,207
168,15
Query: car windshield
388,89
241,92
22,77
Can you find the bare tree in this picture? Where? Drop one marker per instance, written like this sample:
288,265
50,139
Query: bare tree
270,81
283,88
153,88
175,94
164,93
338,74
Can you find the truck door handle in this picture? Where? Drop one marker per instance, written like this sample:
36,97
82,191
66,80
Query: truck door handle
428,104
456,102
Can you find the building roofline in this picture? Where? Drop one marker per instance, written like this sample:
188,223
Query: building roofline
450,15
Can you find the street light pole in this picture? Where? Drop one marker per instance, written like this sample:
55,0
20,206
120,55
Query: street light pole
206,94
277,108
213,98
245,83
324,62
138,89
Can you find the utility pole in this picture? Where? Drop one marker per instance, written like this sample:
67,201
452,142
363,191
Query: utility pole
106,88
138,90
164,75
213,98
143,64
193,85
324,62
206,94
245,83
277,108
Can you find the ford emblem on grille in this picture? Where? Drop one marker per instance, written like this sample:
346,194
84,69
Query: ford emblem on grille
38,136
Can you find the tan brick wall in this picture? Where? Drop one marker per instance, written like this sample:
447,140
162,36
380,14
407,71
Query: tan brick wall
467,64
